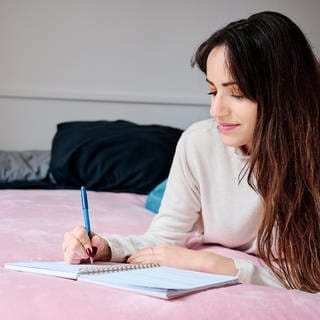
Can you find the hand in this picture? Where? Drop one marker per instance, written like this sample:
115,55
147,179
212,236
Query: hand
183,258
77,246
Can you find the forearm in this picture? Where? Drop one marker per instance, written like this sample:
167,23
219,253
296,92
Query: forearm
247,271
122,247
212,263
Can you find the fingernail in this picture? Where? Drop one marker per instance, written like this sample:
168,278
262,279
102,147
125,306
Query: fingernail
89,252
94,251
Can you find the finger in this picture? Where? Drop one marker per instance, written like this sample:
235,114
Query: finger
73,249
140,260
146,255
99,247
137,256
71,257
76,260
144,252
82,235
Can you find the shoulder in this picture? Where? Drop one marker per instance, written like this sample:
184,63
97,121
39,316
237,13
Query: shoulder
204,127
201,134
201,143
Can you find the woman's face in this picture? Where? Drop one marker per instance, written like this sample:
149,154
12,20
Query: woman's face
235,115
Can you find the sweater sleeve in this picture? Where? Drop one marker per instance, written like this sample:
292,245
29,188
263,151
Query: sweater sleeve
178,217
251,274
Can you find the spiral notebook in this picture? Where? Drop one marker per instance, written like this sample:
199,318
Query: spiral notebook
148,279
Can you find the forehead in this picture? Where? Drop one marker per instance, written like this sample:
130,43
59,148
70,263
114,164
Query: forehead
217,67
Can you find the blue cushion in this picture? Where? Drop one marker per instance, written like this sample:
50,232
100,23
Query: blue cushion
154,198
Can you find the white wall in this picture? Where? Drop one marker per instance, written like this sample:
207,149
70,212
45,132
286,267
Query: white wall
87,60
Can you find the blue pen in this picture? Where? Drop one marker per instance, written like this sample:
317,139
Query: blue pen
85,209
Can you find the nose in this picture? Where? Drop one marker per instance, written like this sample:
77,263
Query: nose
218,107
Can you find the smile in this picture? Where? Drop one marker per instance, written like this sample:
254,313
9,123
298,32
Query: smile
227,127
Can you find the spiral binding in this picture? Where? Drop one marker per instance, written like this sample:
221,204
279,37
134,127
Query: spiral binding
116,267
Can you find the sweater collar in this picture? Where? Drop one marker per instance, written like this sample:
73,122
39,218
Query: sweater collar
240,154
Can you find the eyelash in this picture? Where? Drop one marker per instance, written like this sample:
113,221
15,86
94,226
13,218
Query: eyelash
213,93
239,96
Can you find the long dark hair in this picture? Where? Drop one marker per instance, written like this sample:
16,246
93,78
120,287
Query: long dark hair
273,64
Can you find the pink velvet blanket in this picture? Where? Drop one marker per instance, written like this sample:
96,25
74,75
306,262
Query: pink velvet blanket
32,227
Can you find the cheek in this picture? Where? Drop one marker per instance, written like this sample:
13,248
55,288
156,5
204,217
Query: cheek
252,120
250,114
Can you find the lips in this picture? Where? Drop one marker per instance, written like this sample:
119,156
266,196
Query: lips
227,127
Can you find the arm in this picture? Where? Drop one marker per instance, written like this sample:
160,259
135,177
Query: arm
252,274
178,216
175,222
178,257
181,212
183,258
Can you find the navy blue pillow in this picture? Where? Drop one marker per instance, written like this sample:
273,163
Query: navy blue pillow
118,156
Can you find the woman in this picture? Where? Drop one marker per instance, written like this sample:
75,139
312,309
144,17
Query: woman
250,178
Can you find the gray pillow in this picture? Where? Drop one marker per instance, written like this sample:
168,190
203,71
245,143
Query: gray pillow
24,165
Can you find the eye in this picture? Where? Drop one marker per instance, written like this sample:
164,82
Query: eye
212,93
236,93
237,96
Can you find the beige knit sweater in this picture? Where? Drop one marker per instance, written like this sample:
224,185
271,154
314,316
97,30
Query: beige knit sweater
204,196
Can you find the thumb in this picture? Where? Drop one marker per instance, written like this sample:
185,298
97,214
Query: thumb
100,248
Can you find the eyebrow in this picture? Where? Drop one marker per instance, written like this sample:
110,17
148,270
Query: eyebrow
225,84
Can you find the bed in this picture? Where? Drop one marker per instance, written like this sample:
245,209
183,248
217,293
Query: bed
32,227
122,165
